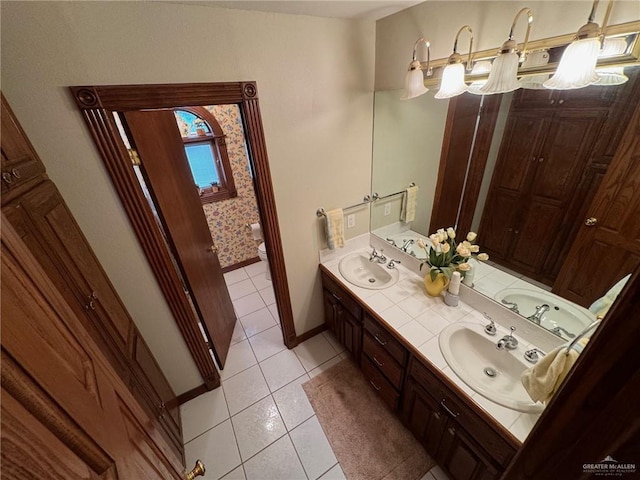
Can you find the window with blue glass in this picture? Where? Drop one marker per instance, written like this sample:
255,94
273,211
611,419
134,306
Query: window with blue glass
206,152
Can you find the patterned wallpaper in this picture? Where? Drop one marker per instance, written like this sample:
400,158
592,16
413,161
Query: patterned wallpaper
228,219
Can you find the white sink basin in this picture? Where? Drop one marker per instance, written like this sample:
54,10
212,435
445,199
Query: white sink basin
358,270
494,374
571,318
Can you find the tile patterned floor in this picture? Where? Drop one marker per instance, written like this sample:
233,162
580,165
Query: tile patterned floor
260,424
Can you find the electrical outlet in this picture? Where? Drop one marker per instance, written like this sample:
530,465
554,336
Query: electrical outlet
351,220
387,209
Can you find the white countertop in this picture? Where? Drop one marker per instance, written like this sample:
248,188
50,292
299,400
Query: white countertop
419,319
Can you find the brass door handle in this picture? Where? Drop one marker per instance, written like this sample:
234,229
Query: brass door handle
212,249
197,471
591,221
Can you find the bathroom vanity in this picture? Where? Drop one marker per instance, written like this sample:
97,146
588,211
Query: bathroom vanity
468,436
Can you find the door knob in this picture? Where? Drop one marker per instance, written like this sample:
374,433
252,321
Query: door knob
591,221
196,472
212,249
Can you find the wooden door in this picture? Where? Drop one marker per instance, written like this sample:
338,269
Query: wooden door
609,249
165,165
65,412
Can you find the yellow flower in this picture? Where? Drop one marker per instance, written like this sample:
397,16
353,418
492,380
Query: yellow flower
474,248
421,243
464,267
483,256
445,248
451,232
462,250
471,236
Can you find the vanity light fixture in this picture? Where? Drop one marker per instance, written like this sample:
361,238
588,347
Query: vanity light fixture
414,80
611,76
535,59
452,83
504,71
577,68
481,67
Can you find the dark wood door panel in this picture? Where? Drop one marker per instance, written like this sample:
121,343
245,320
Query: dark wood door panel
165,165
499,222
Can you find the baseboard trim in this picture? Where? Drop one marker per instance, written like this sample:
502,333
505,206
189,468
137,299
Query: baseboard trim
209,385
241,264
311,333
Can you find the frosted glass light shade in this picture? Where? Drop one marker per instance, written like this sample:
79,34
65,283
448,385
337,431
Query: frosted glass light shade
504,75
611,76
577,68
535,59
483,66
413,85
452,83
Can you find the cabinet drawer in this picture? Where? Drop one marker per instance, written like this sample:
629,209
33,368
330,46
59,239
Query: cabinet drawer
380,384
347,301
381,336
499,449
383,360
15,174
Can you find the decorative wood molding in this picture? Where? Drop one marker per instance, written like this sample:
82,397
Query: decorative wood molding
244,263
97,104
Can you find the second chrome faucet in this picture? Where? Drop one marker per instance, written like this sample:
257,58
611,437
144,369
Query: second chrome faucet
508,342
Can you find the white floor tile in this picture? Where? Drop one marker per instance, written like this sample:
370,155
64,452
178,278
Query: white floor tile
328,364
245,389
414,333
438,474
202,413
238,333
260,281
293,403
217,449
282,368
314,352
268,343
257,426
331,338
268,296
239,358
235,276
248,304
313,448
241,289
274,311
428,476
335,473
278,461
256,268
237,474
257,321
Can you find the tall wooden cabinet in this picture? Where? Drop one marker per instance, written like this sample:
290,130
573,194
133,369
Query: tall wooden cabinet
553,155
33,206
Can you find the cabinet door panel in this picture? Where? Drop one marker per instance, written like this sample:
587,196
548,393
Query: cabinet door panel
462,457
352,334
422,415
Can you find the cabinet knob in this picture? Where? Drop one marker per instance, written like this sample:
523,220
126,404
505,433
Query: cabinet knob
91,297
437,415
552,102
541,159
591,221
561,101
7,178
197,471
15,172
452,431
212,249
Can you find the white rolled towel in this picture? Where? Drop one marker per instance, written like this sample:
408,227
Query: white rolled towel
256,231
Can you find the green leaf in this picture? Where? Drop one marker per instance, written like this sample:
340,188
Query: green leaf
433,274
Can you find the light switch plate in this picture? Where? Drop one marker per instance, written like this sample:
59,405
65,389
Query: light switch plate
387,209
351,220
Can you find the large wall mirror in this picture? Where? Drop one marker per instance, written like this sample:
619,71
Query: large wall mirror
545,155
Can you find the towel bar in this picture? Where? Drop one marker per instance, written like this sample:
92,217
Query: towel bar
378,197
367,199
580,336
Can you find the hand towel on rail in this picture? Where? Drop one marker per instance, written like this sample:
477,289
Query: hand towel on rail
335,228
408,209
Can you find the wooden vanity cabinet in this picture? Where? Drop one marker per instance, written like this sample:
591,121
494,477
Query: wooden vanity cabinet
462,443
343,316
39,215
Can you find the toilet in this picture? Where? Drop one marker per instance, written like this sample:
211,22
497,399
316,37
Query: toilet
262,253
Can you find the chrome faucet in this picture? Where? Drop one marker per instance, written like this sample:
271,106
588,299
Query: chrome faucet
392,264
380,258
406,244
392,242
540,311
508,341
513,306
559,331
533,355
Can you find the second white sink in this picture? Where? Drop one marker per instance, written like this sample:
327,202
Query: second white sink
494,374
358,270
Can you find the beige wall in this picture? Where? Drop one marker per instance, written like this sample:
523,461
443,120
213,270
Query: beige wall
490,21
315,82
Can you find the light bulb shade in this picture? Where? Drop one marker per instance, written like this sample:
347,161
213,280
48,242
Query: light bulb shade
413,85
504,75
479,68
452,83
611,76
577,68
613,46
535,59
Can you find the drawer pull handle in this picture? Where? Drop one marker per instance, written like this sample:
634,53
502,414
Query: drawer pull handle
15,173
377,362
381,342
374,385
336,297
7,178
447,409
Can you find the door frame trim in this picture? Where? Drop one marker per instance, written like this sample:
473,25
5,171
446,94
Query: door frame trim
97,104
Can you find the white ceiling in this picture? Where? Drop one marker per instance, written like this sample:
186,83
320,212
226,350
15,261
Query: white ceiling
359,9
